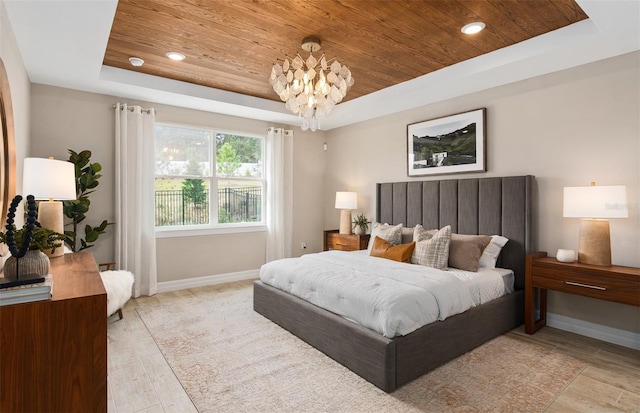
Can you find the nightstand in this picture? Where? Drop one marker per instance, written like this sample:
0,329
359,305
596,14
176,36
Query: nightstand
612,283
333,240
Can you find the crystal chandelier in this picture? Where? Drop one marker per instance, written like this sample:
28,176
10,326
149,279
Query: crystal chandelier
310,88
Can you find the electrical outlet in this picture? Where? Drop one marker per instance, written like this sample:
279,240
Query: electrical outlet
304,245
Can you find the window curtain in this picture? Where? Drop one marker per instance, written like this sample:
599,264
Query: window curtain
279,177
135,203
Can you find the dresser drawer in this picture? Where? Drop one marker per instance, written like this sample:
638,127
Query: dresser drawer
342,242
333,240
603,287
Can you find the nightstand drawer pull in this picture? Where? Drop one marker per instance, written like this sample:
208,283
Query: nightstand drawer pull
595,287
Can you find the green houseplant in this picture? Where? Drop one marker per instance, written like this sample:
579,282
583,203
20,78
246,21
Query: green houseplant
87,176
29,243
360,224
43,239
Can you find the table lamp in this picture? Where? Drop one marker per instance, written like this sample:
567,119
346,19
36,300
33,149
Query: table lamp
345,202
50,181
595,205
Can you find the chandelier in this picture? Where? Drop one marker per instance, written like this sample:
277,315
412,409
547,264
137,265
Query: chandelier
310,88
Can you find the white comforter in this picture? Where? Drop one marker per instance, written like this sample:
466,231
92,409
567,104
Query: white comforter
386,296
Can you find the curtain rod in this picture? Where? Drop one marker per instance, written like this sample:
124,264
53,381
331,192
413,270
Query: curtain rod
130,108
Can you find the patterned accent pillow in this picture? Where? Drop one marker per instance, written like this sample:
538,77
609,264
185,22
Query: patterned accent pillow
384,249
433,251
389,233
421,234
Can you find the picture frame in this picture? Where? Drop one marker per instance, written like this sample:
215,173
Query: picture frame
447,145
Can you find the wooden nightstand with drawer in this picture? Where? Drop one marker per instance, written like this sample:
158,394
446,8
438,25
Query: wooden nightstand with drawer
612,283
333,240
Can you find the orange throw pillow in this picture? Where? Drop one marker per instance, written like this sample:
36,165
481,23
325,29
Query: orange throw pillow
384,249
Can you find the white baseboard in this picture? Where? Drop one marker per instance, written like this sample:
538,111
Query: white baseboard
609,334
166,286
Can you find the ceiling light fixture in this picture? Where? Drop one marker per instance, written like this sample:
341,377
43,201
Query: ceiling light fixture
175,56
310,88
136,61
472,28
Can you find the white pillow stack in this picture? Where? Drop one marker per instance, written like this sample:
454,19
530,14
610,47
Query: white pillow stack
490,254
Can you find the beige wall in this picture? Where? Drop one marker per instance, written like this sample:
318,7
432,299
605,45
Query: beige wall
63,119
68,119
567,129
309,166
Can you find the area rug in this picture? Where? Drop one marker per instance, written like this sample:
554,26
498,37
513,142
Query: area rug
230,359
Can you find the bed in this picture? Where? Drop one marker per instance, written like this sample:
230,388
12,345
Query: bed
489,206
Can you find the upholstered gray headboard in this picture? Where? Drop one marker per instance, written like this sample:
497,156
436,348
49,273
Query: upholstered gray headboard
489,206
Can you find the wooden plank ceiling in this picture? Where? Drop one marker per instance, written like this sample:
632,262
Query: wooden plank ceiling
232,44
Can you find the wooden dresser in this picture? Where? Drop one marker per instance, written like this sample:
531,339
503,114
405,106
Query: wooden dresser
612,283
53,353
333,240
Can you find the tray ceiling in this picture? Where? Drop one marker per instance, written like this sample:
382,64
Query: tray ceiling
70,44
231,45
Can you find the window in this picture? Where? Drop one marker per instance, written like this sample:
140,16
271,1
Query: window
207,178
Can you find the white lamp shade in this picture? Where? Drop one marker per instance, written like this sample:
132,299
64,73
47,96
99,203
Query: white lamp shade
595,202
49,179
346,200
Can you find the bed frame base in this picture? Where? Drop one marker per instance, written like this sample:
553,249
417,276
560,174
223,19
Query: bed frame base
491,205
388,363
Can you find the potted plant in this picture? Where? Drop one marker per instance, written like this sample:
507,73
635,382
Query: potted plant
28,243
87,179
361,224
43,239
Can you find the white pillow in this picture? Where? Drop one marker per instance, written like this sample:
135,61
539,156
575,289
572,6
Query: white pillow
492,251
389,233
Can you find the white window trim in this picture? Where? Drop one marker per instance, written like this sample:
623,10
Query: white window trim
216,228
197,230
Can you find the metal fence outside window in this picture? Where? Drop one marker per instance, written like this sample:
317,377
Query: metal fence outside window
178,207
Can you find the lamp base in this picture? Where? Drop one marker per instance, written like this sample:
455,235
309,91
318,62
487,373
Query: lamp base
50,216
345,221
594,246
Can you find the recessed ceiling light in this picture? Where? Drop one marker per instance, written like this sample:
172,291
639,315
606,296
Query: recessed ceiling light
175,56
472,28
136,61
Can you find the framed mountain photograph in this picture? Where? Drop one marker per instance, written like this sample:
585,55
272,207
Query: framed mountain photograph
451,144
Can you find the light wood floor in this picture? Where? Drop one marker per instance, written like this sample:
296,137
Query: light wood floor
140,380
